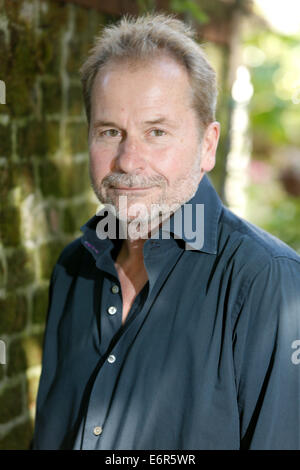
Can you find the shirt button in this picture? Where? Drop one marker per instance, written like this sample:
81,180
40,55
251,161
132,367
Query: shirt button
111,358
115,289
97,430
112,310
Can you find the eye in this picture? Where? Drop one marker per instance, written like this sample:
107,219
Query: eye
157,132
110,133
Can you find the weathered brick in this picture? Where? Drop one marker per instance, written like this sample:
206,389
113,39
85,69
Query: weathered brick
50,39
19,438
5,185
10,226
49,175
63,180
2,42
40,305
81,23
43,224
52,218
31,391
2,274
53,15
14,313
87,25
96,22
15,11
48,255
38,138
24,353
78,52
12,9
77,136
22,67
21,270
2,374
11,403
5,139
4,109
25,58
75,101
23,179
79,181
51,97
75,216
17,358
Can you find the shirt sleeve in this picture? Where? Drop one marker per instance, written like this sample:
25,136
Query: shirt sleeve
266,351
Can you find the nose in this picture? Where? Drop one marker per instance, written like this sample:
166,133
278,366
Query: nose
131,156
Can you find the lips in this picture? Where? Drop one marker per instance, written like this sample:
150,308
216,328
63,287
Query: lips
128,188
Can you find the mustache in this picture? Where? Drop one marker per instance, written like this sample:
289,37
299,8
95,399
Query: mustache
132,180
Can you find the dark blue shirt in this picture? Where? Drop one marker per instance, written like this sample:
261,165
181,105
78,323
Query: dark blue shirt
208,357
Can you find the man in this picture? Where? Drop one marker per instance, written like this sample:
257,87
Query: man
156,339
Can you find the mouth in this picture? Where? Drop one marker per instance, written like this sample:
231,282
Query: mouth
126,188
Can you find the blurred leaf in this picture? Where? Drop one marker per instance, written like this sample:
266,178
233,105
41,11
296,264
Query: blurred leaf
145,5
189,6
276,212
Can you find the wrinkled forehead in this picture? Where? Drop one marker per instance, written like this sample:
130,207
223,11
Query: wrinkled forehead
160,79
162,58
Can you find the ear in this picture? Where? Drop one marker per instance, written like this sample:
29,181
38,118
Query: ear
209,146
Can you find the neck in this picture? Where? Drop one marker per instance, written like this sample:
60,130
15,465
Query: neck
132,249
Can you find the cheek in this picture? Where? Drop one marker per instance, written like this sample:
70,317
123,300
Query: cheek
100,161
172,162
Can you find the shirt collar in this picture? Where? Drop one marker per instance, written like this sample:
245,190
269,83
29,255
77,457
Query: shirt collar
195,222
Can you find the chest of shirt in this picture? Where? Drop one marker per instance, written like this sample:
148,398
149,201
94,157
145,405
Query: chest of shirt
169,368
185,320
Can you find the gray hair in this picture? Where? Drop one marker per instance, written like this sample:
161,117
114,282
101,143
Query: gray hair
142,38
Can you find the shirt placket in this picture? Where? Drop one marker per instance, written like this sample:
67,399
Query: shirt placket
106,376
100,398
110,313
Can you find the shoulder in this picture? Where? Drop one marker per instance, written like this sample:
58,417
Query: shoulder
70,251
260,266
72,258
253,245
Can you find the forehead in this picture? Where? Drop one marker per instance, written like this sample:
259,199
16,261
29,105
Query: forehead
159,81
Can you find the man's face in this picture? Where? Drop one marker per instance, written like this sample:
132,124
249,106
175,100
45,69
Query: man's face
144,137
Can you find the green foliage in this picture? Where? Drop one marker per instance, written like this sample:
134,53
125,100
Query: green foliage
190,7
145,5
276,82
273,61
276,212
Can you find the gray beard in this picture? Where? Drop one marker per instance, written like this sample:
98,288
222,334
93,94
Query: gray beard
163,207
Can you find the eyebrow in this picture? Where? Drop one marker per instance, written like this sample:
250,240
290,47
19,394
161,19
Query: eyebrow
162,120
100,123
159,120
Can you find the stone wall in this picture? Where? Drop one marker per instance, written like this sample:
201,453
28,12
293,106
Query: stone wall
45,193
